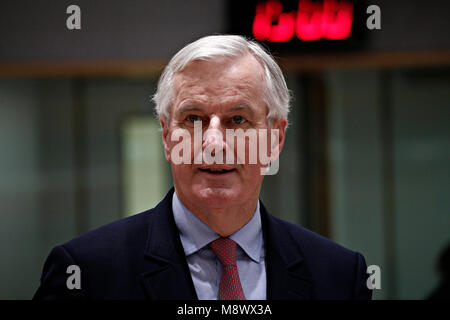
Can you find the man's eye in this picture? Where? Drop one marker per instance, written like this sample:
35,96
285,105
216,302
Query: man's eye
238,120
192,118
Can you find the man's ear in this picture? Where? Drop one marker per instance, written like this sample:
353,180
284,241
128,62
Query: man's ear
279,125
165,137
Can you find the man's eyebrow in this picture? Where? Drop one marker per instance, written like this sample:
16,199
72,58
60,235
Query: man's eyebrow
188,108
241,107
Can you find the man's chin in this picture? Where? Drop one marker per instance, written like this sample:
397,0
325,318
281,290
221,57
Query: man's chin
216,197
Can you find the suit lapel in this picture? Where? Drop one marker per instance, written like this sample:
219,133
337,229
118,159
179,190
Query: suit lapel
288,277
166,275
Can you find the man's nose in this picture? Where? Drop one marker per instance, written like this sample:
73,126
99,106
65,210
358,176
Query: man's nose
214,136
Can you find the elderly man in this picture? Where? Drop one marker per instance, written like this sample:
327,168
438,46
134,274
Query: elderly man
210,237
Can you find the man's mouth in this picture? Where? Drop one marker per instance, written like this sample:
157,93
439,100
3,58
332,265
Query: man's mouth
217,171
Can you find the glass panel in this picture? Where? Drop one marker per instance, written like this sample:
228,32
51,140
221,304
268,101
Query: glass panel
421,107
145,176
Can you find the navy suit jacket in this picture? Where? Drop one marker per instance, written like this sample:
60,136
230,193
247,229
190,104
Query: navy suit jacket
141,257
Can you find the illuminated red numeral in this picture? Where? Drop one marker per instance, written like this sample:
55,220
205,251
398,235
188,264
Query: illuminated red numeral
337,19
263,29
309,21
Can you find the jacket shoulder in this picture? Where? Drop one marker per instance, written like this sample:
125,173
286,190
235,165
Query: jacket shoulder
113,239
311,241
337,272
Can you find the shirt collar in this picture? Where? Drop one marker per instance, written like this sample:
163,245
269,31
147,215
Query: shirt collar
195,234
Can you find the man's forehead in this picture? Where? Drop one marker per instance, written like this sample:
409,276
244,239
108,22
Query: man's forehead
219,82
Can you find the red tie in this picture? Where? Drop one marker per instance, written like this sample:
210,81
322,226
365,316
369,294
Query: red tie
230,286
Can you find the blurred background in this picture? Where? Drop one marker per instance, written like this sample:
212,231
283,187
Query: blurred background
366,161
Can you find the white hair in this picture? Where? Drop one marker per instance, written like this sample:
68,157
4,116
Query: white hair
276,96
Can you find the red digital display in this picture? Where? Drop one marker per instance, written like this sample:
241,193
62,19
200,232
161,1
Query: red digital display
313,20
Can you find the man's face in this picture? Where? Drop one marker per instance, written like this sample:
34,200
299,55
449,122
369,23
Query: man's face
222,94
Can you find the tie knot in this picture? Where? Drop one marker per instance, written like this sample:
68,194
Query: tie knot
225,250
